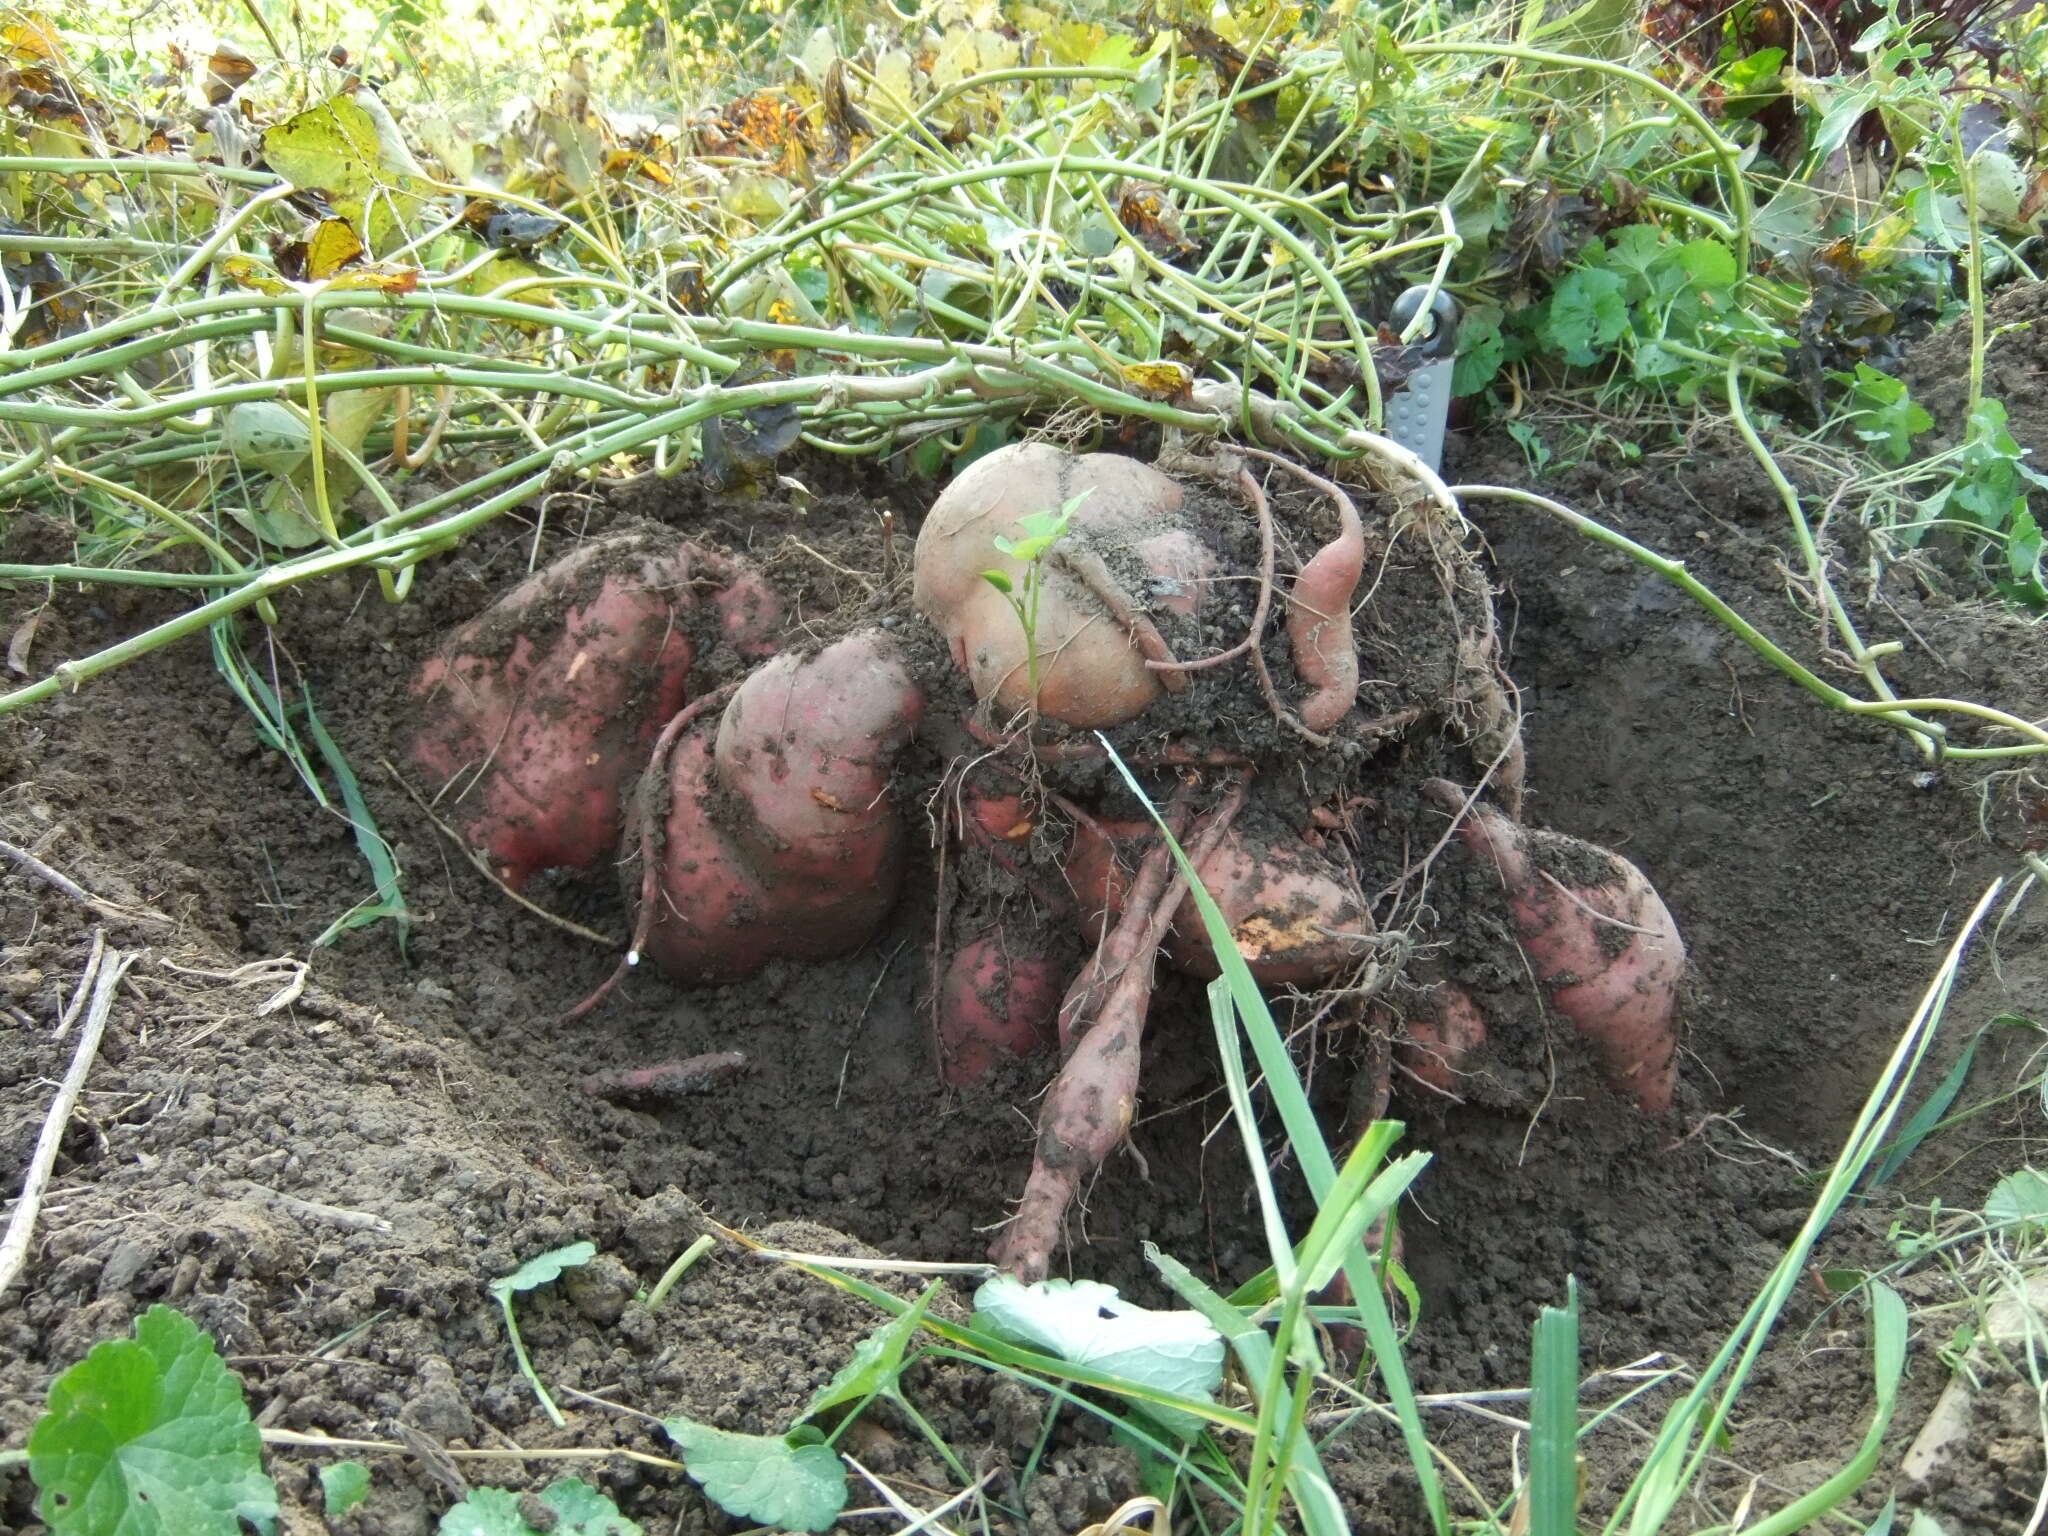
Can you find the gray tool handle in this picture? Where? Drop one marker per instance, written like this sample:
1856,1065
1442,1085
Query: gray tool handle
1418,411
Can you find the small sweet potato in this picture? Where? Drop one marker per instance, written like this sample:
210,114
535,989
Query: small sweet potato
1296,915
1441,1031
995,1000
1601,941
1092,638
780,836
535,716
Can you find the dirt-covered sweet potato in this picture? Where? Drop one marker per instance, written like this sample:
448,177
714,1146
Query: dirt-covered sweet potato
1601,942
1295,914
997,998
534,717
1440,1032
1092,635
780,838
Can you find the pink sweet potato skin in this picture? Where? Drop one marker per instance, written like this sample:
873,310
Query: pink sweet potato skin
535,716
1278,896
1601,941
996,999
781,840
1442,1032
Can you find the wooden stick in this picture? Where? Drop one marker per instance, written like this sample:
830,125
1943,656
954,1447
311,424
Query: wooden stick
58,881
14,1246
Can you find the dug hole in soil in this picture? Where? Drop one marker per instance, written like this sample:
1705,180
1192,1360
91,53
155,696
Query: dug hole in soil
364,1158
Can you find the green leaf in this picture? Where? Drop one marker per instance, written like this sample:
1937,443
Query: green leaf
1086,1322
876,1361
343,1485
999,581
1587,314
1481,350
1650,361
1639,251
267,435
1884,414
150,1436
1709,264
768,1478
334,147
544,1269
1030,551
2021,1196
573,1508
1043,527
1752,81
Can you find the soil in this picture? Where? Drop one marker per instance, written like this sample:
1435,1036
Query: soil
329,1184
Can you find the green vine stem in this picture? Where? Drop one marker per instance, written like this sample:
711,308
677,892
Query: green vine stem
1901,713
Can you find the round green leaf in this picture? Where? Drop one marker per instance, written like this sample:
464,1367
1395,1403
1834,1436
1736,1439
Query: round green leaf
150,1436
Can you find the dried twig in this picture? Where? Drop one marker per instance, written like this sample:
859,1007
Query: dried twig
20,1227
112,911
92,966
491,875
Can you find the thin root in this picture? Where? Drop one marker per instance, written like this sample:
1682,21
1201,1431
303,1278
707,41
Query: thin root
653,821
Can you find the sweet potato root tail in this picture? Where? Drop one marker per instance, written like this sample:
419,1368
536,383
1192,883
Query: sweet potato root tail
1089,1108
1319,608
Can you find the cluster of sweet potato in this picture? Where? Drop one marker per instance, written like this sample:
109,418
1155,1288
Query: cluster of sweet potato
559,731
759,821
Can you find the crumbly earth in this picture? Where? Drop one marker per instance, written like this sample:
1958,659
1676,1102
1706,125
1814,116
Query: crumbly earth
328,1186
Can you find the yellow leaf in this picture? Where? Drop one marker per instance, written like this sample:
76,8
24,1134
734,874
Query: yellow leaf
1158,380
382,278
31,36
332,146
334,245
502,270
995,51
246,271
955,61
350,413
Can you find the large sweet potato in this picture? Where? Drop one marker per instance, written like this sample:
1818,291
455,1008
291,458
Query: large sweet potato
780,839
1091,659
535,716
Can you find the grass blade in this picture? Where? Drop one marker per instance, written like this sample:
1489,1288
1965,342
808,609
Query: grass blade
1888,1329
1554,1419
1230,1055
1929,1118
1305,1137
389,900
1693,1426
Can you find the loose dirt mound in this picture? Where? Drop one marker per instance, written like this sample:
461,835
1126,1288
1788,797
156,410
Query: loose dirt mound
361,1161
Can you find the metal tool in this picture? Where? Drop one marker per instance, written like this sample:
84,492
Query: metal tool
1418,410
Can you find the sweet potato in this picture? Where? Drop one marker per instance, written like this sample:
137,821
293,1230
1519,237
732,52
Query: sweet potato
1285,902
1440,1033
1602,943
780,839
1089,1107
994,1000
1092,638
536,715
1319,615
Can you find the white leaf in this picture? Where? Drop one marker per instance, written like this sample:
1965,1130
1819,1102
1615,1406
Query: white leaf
1086,1323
